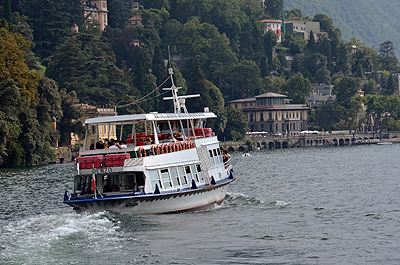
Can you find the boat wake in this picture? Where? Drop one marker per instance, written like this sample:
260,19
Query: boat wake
32,240
281,203
239,199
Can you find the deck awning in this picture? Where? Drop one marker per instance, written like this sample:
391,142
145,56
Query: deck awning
130,119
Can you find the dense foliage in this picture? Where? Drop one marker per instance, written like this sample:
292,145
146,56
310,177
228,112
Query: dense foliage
217,49
373,22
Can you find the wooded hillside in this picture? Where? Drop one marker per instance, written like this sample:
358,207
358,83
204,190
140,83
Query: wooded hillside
372,22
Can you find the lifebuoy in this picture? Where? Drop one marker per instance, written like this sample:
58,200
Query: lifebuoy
171,147
165,146
153,150
140,152
178,146
159,149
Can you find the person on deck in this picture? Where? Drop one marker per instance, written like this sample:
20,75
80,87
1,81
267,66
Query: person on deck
225,156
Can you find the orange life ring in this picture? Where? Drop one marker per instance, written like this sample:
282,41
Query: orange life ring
159,149
153,150
165,148
171,147
178,146
140,152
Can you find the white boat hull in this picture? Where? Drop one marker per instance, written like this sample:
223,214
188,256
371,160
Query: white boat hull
186,200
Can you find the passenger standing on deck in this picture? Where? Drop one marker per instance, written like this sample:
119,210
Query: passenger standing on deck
225,156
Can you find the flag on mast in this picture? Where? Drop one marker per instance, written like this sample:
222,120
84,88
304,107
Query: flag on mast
94,182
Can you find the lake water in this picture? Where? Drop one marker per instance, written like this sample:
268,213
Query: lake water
337,205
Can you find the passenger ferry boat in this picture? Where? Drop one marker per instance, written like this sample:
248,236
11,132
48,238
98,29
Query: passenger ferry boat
182,173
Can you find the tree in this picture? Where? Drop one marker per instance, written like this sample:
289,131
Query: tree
270,41
311,44
298,89
236,126
314,61
273,83
86,64
7,10
391,85
203,42
323,76
218,107
199,85
326,115
345,89
119,11
387,57
10,127
325,22
12,63
51,22
371,87
294,13
71,121
377,105
244,80
273,8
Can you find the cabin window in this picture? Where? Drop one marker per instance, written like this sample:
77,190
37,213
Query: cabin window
166,181
111,183
211,157
84,184
216,157
199,173
219,156
127,183
188,174
155,179
174,177
195,176
182,176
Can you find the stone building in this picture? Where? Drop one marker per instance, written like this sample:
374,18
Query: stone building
96,11
272,112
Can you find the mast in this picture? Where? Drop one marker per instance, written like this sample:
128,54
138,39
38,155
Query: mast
179,101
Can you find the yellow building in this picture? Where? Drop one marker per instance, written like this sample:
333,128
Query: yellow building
103,132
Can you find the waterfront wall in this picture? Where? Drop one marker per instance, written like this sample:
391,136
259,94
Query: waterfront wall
325,139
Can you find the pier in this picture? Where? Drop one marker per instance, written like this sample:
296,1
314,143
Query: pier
259,141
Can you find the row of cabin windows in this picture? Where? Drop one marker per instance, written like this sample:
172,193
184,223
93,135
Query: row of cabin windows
176,177
215,156
289,115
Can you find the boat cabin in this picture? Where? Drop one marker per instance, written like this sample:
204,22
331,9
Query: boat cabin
167,133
